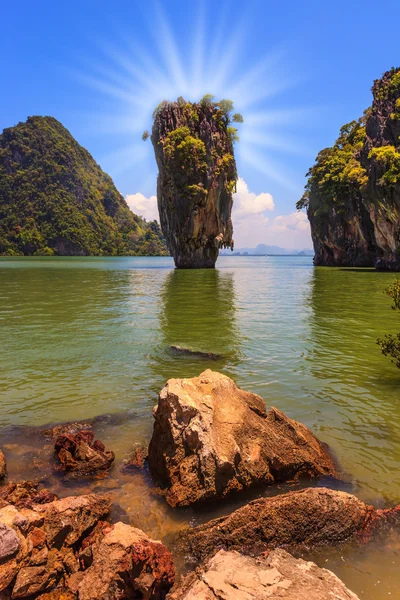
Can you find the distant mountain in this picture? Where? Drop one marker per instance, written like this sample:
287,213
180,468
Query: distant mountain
55,199
263,249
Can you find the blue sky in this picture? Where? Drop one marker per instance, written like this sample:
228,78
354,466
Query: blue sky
296,70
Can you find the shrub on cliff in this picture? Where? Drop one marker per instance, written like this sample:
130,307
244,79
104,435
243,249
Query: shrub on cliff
390,344
55,199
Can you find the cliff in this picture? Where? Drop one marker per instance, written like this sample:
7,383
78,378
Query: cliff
55,199
352,194
193,145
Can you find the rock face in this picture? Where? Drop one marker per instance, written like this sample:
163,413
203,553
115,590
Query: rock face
81,455
197,175
24,494
312,517
3,466
232,576
63,550
353,191
211,438
125,563
55,199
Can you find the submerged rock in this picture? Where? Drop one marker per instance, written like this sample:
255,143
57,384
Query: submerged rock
125,563
312,517
136,461
81,456
232,576
3,466
196,353
211,438
353,192
197,175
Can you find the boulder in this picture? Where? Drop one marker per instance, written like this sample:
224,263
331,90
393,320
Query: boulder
312,517
211,438
125,563
3,466
81,456
38,544
232,576
26,494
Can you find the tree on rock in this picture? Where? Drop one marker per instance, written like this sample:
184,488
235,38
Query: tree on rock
193,145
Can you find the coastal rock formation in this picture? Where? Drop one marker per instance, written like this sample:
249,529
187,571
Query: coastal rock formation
197,176
353,192
55,199
81,455
63,550
38,544
3,466
211,438
24,494
311,517
124,563
232,576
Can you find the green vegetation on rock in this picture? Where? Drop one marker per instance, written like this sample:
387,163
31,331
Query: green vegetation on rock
390,344
56,200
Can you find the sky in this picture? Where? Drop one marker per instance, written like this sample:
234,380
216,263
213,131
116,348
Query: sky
296,71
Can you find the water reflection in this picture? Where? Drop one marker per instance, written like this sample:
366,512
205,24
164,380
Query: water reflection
198,314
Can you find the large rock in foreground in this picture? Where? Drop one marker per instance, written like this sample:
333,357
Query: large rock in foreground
197,175
125,563
3,466
63,550
312,517
211,438
232,576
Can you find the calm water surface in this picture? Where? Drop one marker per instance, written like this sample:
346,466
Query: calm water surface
82,337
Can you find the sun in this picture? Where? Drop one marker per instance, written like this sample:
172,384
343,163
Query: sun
134,80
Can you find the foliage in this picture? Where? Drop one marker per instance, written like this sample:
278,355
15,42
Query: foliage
389,158
390,344
207,99
237,118
55,199
183,149
388,86
145,135
337,172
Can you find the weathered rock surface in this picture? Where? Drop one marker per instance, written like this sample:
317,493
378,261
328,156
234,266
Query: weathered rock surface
197,175
312,517
38,544
25,494
136,461
3,466
211,438
125,563
232,576
81,455
353,191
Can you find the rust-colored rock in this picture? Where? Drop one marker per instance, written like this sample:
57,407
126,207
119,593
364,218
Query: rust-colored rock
26,494
81,455
126,564
211,438
197,175
312,517
38,545
136,461
232,576
3,466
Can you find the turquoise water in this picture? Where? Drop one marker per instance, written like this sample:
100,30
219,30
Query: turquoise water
81,337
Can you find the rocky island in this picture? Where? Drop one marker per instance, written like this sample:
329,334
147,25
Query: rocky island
56,200
352,195
193,145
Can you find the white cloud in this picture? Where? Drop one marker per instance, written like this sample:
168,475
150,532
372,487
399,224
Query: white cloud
248,203
142,206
